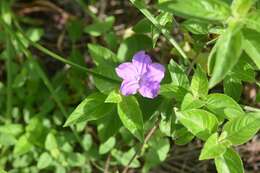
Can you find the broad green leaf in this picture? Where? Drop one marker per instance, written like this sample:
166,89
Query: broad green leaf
252,21
99,28
233,87
143,26
178,75
199,83
114,97
241,7
199,122
226,54
229,162
244,70
109,126
173,91
190,102
133,44
181,135
212,148
101,55
251,45
131,116
107,145
22,146
212,10
75,29
161,147
92,108
103,84
241,129
223,106
44,161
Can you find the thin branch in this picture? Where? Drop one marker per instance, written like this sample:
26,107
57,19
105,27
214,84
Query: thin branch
147,138
107,164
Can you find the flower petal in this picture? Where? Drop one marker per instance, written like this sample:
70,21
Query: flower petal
129,87
127,71
155,73
141,60
149,89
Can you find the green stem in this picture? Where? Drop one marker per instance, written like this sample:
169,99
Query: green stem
139,4
60,58
9,80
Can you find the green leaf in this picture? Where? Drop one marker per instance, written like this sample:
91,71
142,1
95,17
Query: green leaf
241,129
161,147
99,28
173,91
212,148
51,142
75,29
244,70
109,126
178,75
14,129
223,106
233,87
229,162
251,45
199,122
252,21
131,116
114,97
143,26
7,139
241,7
212,10
103,85
163,18
226,54
196,26
101,55
124,158
44,161
133,44
107,145
199,83
87,142
190,102
76,159
92,108
22,146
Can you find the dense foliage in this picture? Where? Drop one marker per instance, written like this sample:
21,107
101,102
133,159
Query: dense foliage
72,116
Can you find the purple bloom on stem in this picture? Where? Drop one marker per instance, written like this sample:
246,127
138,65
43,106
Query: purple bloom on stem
141,75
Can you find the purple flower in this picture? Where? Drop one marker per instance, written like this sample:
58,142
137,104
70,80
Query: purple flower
141,75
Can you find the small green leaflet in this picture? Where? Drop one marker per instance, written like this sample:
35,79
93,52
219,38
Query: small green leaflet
199,83
212,148
178,75
241,7
252,21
